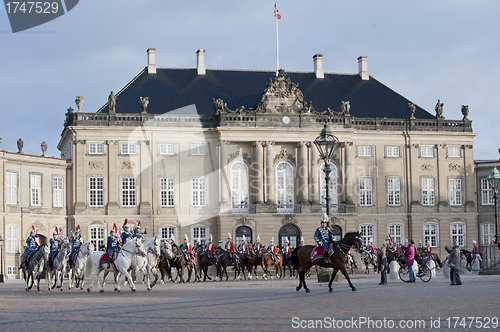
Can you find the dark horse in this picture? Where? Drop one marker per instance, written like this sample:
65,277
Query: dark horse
301,259
468,258
253,262
179,262
369,259
421,253
34,266
287,262
203,262
223,261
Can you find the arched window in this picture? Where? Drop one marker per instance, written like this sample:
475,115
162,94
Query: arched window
284,187
239,186
243,230
292,233
367,232
431,233
332,187
336,232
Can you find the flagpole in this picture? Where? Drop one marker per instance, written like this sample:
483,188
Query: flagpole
277,42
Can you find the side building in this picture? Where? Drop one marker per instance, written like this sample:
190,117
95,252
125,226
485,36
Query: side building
199,151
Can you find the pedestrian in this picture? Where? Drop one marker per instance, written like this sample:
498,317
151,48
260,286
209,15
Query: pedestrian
382,265
410,258
454,263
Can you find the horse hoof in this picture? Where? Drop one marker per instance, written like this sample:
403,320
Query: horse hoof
297,288
271,278
101,291
61,289
354,289
133,289
119,291
88,290
307,290
149,289
330,290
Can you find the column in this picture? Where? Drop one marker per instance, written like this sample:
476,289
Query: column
144,179
224,195
80,179
315,190
270,193
112,177
303,174
348,171
258,178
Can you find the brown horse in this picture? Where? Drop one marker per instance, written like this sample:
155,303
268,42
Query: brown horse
301,259
421,254
267,263
253,262
369,259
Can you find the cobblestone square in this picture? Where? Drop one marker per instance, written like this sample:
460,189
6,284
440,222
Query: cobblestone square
256,305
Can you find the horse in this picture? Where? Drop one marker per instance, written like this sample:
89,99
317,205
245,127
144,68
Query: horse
468,257
147,265
267,262
223,261
204,262
369,259
34,265
421,253
179,262
165,261
57,267
253,262
77,267
122,263
287,263
351,262
301,259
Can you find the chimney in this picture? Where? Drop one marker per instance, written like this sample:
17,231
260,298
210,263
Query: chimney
200,62
318,66
363,67
151,61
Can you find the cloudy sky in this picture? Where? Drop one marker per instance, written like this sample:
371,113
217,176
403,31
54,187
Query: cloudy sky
425,50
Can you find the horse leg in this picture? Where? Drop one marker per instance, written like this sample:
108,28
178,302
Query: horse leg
334,273
346,275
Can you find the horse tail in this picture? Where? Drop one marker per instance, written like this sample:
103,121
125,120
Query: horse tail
295,258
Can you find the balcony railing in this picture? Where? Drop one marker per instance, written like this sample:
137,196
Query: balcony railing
243,209
288,208
335,208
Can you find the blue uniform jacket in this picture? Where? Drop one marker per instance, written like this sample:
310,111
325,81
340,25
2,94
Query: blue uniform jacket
323,236
54,244
126,236
112,245
31,243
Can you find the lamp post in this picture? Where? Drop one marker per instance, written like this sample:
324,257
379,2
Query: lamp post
1,260
326,143
495,177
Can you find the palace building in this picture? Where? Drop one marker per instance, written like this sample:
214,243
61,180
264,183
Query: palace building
199,151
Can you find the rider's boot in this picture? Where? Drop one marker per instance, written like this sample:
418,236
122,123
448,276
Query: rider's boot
325,255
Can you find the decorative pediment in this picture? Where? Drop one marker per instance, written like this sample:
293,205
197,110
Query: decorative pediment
289,219
39,225
240,156
284,156
454,167
243,221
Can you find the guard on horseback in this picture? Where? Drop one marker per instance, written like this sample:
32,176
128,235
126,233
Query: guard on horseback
475,251
172,239
323,236
257,246
138,234
370,249
76,241
126,234
113,245
197,244
273,250
186,248
55,243
32,244
243,248
210,248
286,249
230,248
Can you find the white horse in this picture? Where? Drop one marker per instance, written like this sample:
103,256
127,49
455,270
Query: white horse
148,264
56,270
33,268
76,273
123,262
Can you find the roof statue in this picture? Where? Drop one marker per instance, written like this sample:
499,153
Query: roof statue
144,102
465,111
79,101
112,103
20,145
346,107
44,148
411,110
439,110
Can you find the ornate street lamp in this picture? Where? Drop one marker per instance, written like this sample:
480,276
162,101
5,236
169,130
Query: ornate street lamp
326,143
1,260
495,177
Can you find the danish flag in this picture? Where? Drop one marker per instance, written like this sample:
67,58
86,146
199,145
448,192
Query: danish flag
276,11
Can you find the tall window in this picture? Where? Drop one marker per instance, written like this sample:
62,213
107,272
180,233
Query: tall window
167,192
365,192
364,151
96,191
332,185
57,192
284,183
10,188
96,148
200,233
394,192
239,183
198,192
487,233
487,192
455,191
36,189
240,231
426,151
97,237
392,151
454,152
396,232
167,149
12,271
367,232
166,232
457,231
198,149
431,234
427,191
12,238
128,192
127,148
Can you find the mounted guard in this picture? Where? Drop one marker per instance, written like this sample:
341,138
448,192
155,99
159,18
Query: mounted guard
172,239
370,249
323,237
76,241
126,234
257,246
197,244
286,249
138,234
475,251
273,250
32,244
210,248
187,249
113,245
55,244
230,248
243,248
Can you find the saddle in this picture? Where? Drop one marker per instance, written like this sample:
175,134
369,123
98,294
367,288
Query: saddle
27,256
317,252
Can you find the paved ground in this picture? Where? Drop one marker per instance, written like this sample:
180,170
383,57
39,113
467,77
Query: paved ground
256,305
